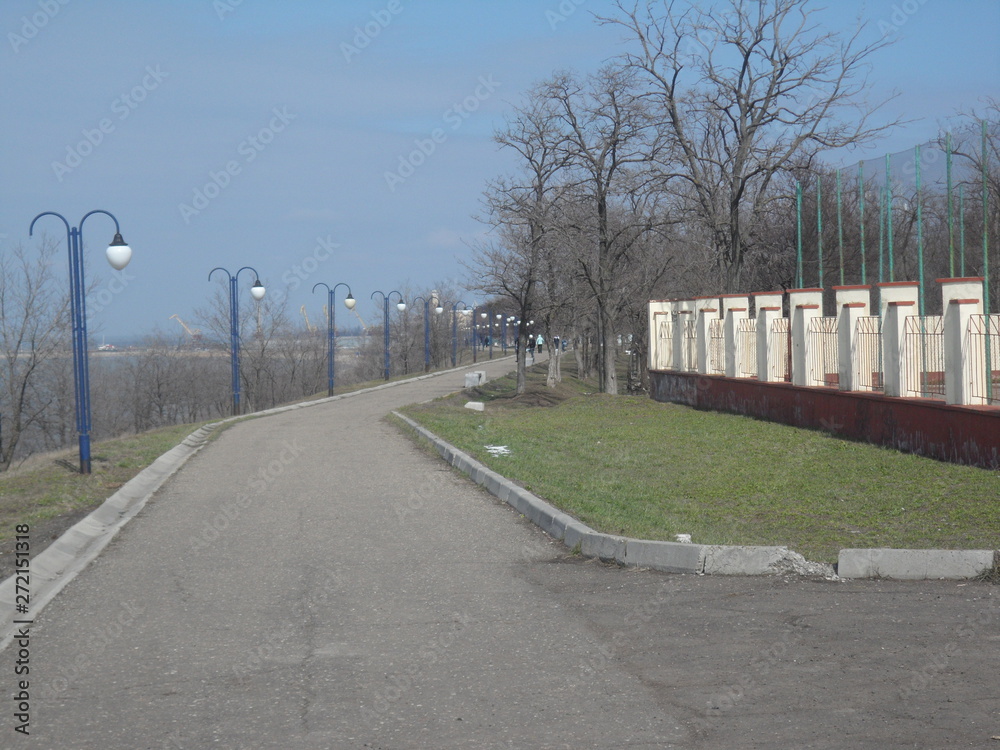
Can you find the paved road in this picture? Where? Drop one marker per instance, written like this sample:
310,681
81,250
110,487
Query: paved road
314,580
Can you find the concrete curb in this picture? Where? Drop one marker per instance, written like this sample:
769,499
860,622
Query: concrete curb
61,561
916,564
677,557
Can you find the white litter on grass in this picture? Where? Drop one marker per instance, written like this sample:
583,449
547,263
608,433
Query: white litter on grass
497,450
683,538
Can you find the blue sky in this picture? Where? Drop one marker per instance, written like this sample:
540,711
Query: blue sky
290,119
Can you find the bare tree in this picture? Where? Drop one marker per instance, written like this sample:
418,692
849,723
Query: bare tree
521,210
34,312
609,138
743,89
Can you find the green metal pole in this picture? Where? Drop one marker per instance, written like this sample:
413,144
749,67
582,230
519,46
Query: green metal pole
888,216
819,226
798,222
920,269
861,211
951,223
984,158
961,230
840,231
881,236
920,230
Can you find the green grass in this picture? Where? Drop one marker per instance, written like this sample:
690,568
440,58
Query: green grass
50,487
632,466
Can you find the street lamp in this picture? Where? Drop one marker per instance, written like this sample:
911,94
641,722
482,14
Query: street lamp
454,331
401,305
488,317
118,254
257,292
427,331
331,330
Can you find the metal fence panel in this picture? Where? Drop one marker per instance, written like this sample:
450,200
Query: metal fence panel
823,357
984,342
923,350
746,347
780,363
868,348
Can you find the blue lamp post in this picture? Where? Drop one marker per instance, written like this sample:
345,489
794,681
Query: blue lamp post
427,327
257,292
118,254
454,331
401,305
479,329
331,330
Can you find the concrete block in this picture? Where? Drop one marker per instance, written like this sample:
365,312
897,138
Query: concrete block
560,522
603,546
476,406
744,561
506,487
672,557
520,500
476,378
913,564
491,482
574,533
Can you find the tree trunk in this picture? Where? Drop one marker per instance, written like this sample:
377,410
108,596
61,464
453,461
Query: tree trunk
608,359
522,375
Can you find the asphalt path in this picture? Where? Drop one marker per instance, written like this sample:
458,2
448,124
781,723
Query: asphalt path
315,579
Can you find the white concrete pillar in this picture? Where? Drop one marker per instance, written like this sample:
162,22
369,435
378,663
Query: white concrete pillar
735,307
684,311
660,319
706,309
897,301
804,305
852,303
768,308
962,299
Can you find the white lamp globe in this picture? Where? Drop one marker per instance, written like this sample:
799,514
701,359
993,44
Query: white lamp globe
119,254
257,290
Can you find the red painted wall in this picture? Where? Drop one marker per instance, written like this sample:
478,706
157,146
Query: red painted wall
961,434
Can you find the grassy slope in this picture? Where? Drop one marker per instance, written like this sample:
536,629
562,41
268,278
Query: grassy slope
628,465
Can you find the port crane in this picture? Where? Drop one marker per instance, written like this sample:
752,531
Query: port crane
309,326
195,334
